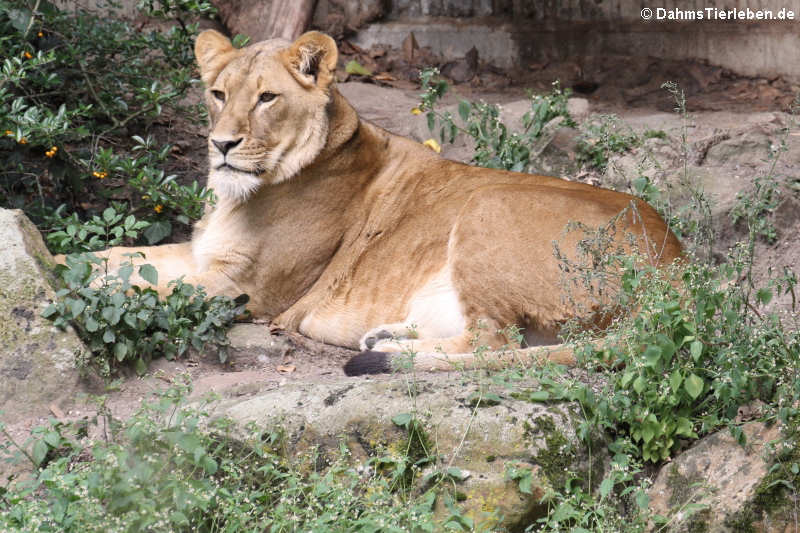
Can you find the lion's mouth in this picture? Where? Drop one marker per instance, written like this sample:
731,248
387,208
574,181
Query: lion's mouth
237,169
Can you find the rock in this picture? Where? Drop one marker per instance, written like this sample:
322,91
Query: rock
36,358
482,442
730,479
749,147
463,69
256,341
578,108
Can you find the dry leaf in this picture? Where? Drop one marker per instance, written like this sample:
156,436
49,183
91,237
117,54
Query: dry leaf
286,369
433,145
58,413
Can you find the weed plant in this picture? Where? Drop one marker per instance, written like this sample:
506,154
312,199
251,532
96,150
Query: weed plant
496,144
171,468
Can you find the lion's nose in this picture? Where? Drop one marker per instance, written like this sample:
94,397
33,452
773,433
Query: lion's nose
225,146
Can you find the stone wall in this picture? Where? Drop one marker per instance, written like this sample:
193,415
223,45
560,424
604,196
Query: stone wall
513,32
518,32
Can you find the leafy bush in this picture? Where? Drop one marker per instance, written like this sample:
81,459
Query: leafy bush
161,197
68,234
124,324
170,467
59,102
496,146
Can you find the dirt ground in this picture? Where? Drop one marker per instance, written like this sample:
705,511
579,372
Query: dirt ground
611,85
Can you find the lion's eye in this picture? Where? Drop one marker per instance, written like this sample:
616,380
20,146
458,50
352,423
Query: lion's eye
219,95
266,97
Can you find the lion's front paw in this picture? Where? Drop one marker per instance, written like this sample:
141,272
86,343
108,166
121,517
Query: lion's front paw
386,334
372,337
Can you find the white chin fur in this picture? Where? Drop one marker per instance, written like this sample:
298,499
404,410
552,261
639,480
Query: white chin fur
232,185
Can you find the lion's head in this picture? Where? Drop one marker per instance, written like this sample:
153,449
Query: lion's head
268,108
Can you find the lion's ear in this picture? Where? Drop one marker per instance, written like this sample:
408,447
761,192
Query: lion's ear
213,51
312,59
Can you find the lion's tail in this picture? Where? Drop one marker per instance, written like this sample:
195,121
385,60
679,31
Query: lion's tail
371,362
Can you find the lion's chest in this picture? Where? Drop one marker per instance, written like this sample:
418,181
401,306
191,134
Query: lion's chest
219,240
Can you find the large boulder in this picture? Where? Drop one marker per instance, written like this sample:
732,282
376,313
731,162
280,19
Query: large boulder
737,485
470,425
36,359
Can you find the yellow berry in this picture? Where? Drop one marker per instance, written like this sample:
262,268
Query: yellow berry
23,141
158,208
416,111
27,55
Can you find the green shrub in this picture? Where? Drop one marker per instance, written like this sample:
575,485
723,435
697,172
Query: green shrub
68,234
124,324
60,102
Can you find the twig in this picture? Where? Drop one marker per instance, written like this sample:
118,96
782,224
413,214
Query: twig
30,22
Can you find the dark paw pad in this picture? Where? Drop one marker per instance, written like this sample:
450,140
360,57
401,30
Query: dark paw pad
377,336
368,362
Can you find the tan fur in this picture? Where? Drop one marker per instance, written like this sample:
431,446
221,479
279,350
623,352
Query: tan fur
351,235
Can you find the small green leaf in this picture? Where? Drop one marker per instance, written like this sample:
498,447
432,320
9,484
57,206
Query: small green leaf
120,350
684,427
354,67
606,487
457,473
52,438
526,484
696,349
125,271
693,385
402,420
39,451
77,307
92,325
240,40
158,231
639,384
642,500
463,110
675,379
764,296
652,355
539,396
209,465
648,433
431,121
627,377
149,274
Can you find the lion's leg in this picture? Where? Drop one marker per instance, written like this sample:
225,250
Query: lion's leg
171,261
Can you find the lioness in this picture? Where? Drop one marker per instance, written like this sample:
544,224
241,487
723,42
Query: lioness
356,237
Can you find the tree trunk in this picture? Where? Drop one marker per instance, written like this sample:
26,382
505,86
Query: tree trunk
288,19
